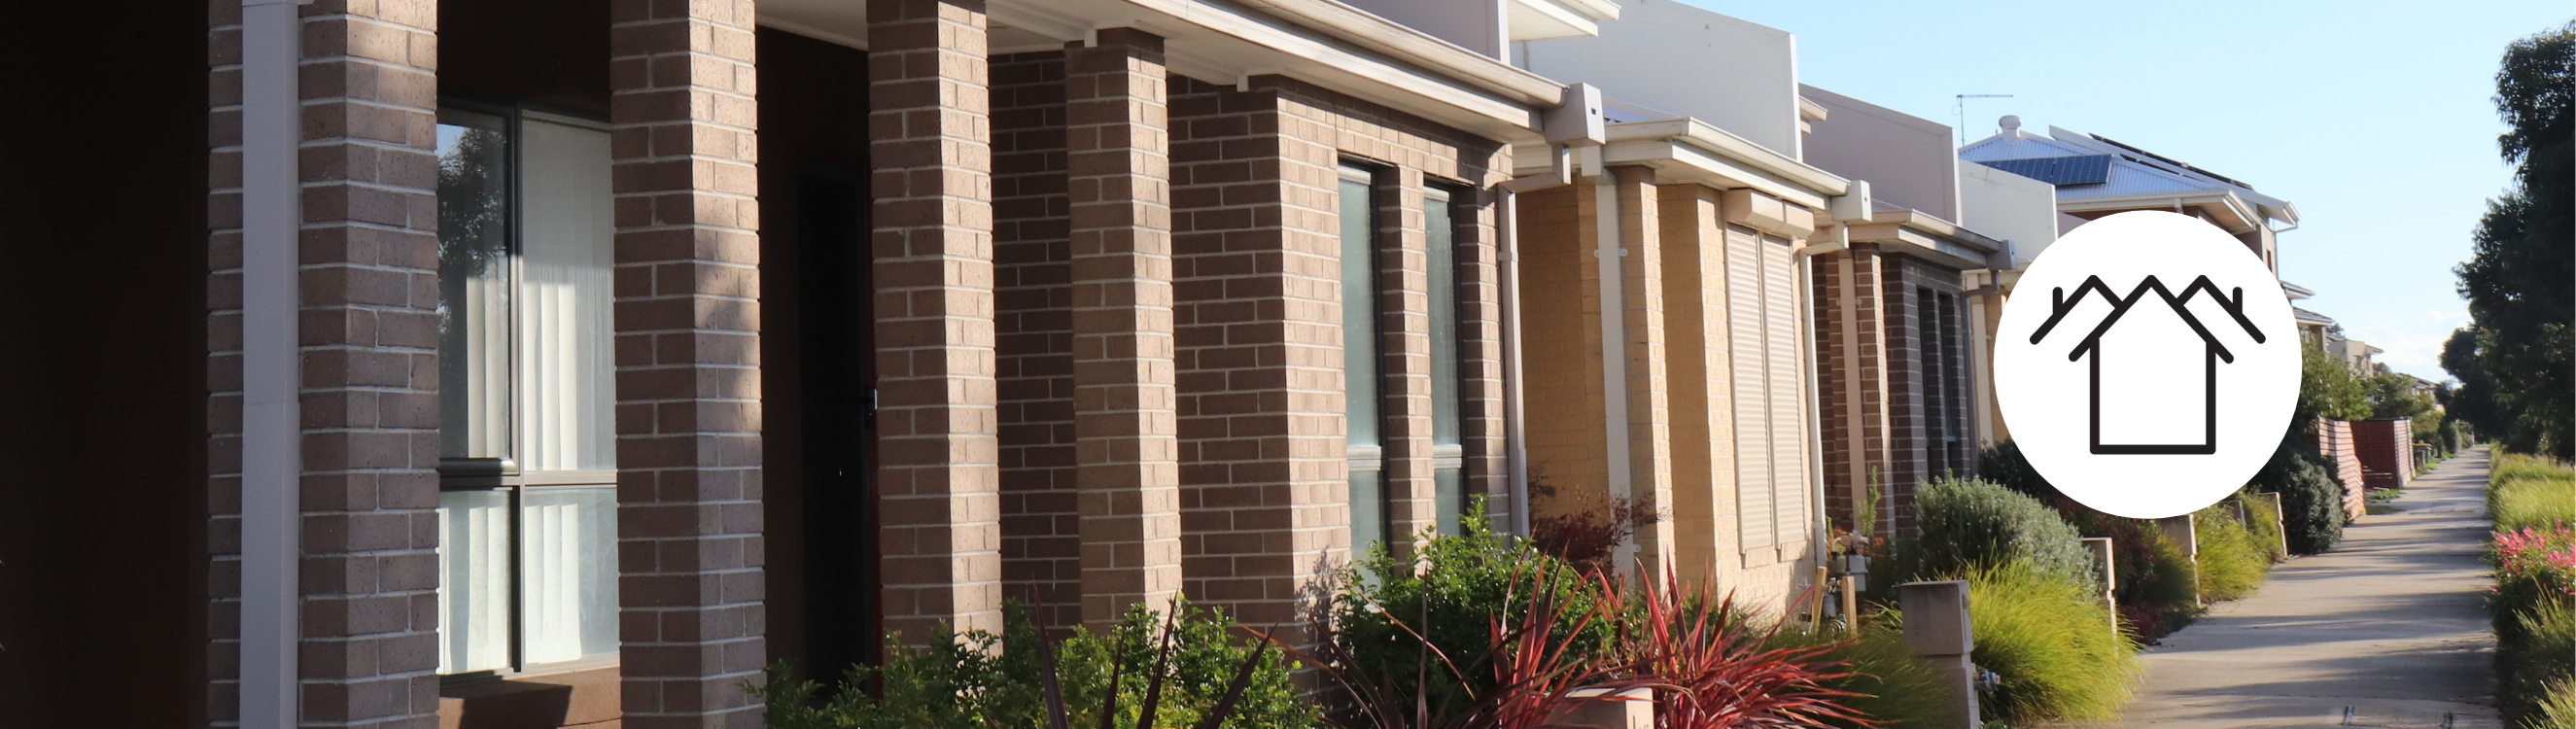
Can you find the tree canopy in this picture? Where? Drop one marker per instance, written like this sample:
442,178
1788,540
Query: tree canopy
2514,362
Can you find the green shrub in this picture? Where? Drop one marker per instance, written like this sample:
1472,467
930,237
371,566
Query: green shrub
2557,708
2535,665
2051,643
1895,686
1965,524
2524,491
2232,565
2311,498
2263,525
2152,575
983,681
2003,464
1450,593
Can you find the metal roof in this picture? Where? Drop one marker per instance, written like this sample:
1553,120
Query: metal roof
2309,317
2089,169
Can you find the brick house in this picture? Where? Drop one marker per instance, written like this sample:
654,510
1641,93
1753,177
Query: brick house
565,363
1677,380
562,364
1897,394
2088,176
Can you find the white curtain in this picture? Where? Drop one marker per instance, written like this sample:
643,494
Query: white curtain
474,602
567,403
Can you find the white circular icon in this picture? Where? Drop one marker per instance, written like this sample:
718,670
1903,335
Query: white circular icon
2147,364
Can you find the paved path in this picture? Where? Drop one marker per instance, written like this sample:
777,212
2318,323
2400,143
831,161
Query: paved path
2390,625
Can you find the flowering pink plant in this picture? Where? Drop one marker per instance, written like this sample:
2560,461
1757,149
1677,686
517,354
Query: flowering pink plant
2537,558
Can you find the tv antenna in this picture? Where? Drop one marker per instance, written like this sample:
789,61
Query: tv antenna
1959,106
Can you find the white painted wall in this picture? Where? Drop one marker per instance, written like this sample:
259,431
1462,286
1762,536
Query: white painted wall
1907,160
1672,57
1475,25
2008,207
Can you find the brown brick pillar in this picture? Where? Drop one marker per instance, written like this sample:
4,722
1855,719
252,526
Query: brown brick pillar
1117,144
367,287
1853,407
937,474
1264,500
1404,390
688,373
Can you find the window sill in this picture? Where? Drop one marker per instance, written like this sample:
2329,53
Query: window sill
576,698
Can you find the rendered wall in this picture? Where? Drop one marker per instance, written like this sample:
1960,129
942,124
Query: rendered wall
1682,60
2009,207
1909,161
1476,25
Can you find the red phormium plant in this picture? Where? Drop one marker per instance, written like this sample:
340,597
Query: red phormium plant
1537,676
1717,674
1589,539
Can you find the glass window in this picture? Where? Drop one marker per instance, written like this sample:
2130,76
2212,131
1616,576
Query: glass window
527,510
1360,371
1448,481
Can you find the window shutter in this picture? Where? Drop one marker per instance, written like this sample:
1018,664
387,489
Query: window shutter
1788,424
1755,522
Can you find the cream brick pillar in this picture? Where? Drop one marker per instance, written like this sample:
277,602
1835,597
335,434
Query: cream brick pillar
1641,301
1119,181
682,114
938,471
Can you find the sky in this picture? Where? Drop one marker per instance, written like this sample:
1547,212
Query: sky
2375,119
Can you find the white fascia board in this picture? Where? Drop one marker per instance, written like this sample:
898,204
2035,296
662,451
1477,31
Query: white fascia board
2246,217
1693,150
1220,44
1546,20
1357,27
1919,235
1602,11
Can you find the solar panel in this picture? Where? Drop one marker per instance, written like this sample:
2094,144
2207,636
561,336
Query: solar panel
2091,169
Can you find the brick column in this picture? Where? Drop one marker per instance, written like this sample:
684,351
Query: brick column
688,373
1257,324
937,475
1649,448
369,369
1852,384
1117,143
1033,336
1404,388
367,283
1701,370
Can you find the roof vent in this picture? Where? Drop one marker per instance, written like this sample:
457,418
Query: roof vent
2011,124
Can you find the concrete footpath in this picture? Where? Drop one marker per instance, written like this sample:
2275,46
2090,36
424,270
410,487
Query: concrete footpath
2389,627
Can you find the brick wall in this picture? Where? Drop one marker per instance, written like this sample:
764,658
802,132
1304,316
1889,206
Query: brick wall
1033,343
682,116
1717,432
1886,412
368,289
2334,440
2386,449
1700,368
1854,407
1257,328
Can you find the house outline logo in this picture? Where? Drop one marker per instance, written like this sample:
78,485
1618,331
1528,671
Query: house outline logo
2091,346
2146,363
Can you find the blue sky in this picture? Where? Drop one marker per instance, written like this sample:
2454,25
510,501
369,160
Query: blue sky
2373,118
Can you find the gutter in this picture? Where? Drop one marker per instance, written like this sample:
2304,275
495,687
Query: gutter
271,39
